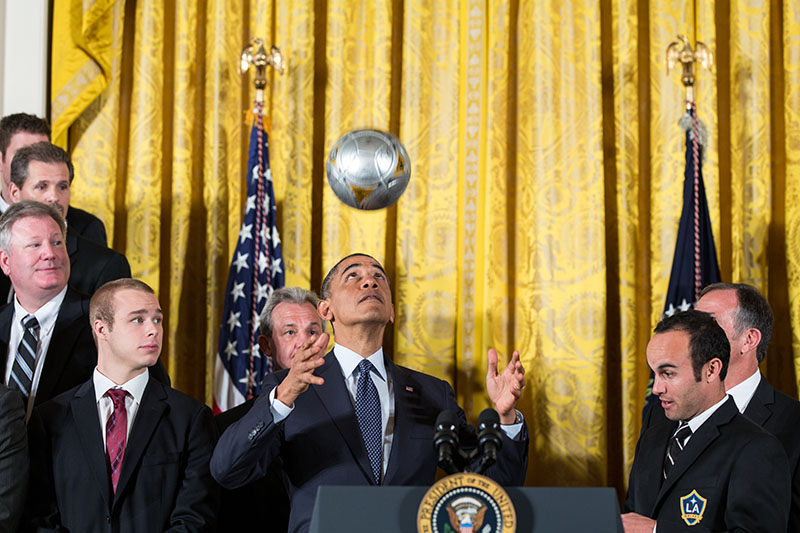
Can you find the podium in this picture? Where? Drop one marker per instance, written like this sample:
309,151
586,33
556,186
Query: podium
357,509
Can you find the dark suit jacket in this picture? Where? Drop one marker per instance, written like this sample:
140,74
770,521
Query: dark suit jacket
777,414
13,459
72,354
87,225
93,265
238,507
320,442
738,468
164,484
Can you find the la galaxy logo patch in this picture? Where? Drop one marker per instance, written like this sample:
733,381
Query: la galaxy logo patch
692,508
466,503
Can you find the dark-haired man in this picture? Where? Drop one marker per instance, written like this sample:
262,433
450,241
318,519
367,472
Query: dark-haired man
706,466
745,316
20,130
353,417
43,172
123,452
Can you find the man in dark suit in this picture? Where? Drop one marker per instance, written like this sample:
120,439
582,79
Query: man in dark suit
289,319
745,316
123,452
34,257
707,467
43,172
20,130
13,459
353,417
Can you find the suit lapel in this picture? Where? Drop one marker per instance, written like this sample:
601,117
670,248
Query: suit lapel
335,399
6,316
701,439
152,408
653,449
759,409
64,334
402,409
87,425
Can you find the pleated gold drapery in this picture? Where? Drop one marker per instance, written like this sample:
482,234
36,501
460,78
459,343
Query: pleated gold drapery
546,187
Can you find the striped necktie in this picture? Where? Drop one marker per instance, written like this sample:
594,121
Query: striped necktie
675,447
25,360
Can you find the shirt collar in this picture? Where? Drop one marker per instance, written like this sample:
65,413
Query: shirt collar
349,360
744,391
46,315
697,421
134,386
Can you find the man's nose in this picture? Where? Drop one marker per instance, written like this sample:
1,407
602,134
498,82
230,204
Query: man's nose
48,250
658,386
369,281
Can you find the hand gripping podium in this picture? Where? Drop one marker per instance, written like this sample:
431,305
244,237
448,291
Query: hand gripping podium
357,509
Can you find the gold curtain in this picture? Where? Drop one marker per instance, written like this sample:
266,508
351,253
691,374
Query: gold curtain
546,188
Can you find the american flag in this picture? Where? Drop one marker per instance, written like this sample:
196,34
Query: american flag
694,264
256,270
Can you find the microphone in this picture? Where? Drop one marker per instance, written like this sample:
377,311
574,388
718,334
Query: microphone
490,440
445,440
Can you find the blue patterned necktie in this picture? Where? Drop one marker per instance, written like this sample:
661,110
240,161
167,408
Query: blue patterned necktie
25,359
368,413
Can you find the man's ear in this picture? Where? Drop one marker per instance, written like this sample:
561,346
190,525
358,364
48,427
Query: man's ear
99,328
713,368
264,344
324,310
4,259
752,338
14,192
391,318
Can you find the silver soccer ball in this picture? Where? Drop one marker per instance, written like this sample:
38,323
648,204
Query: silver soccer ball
368,169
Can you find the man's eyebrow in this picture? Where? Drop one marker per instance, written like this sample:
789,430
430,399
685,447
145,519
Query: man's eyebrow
663,366
355,265
143,312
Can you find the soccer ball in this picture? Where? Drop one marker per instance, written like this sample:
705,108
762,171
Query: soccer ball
368,169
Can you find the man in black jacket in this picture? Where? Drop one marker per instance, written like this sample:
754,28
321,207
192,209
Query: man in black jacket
707,467
745,316
43,172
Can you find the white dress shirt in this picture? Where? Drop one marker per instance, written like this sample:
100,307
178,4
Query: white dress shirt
348,361
744,391
105,405
46,315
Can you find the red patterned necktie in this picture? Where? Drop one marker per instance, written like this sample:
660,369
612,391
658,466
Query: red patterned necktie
116,431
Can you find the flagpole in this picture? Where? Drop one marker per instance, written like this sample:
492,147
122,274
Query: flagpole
256,268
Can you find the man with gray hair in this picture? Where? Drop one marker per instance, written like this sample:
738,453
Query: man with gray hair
288,320
45,336
43,172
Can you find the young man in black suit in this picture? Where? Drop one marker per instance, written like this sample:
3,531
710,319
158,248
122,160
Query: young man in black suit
20,130
311,417
707,467
123,452
43,172
745,316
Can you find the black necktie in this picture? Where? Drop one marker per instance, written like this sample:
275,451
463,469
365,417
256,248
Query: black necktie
675,447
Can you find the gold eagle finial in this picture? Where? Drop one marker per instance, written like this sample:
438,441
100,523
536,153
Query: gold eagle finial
681,51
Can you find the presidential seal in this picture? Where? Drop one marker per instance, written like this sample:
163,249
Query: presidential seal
466,503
